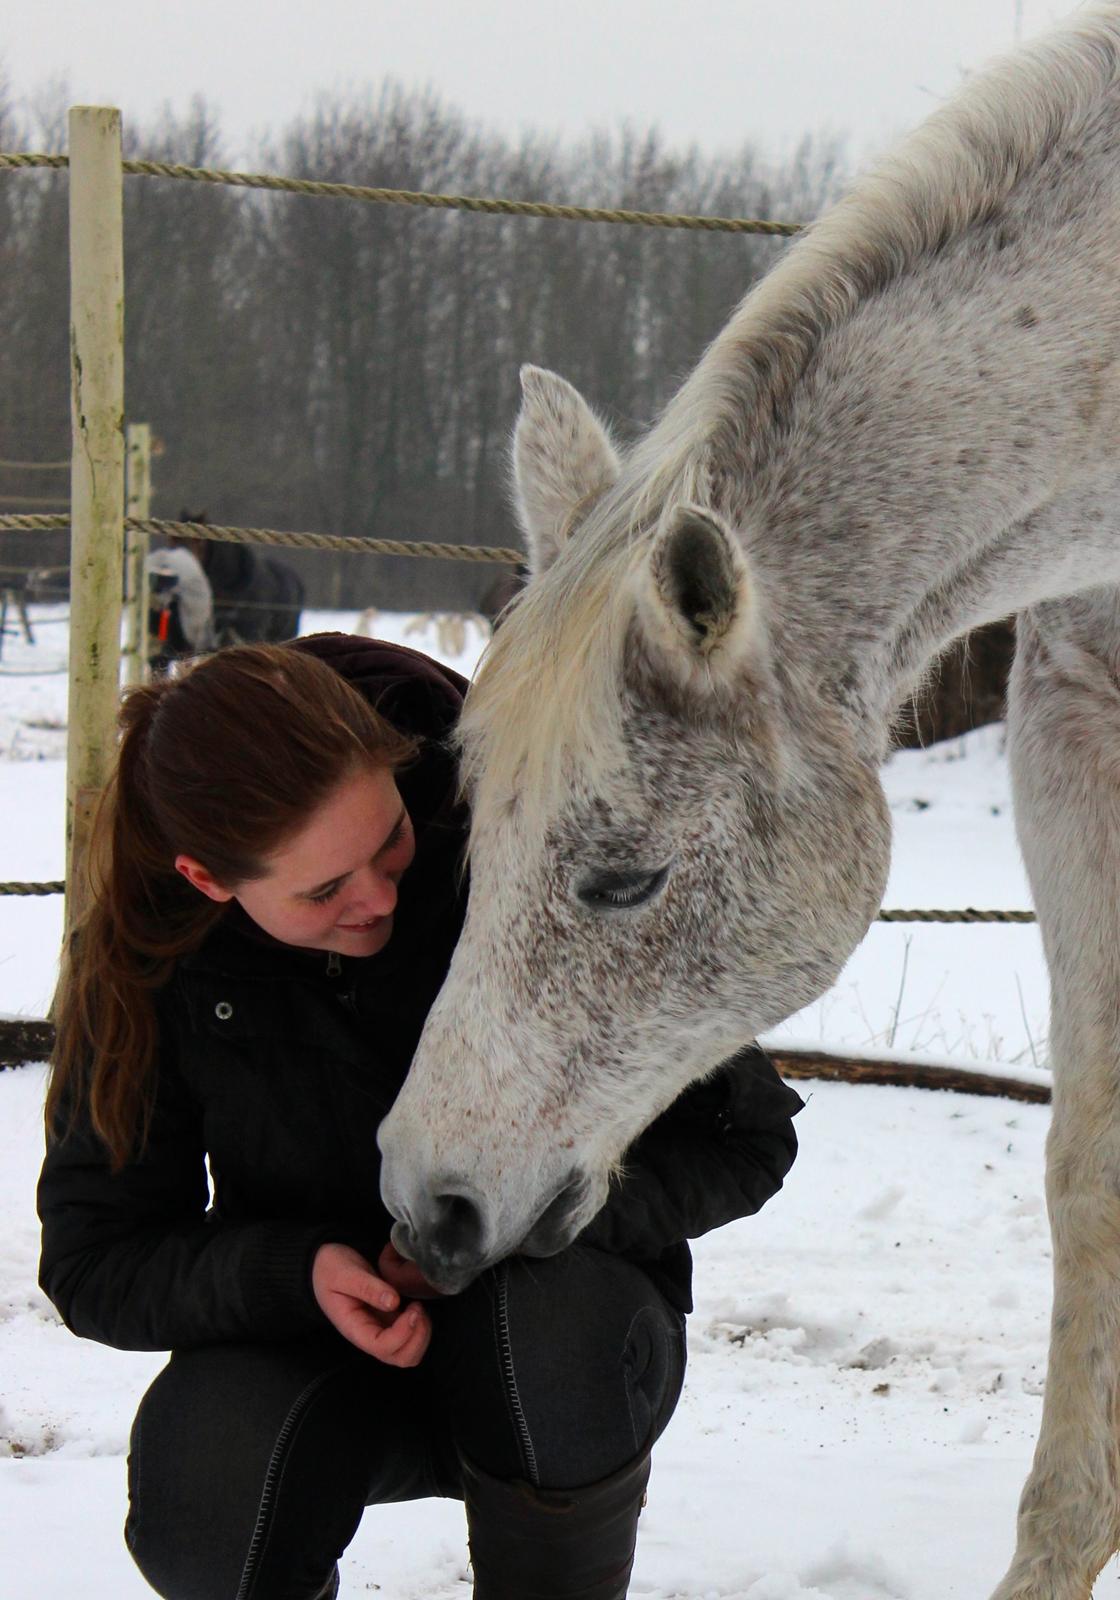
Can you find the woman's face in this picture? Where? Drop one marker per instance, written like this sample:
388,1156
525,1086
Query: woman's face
333,884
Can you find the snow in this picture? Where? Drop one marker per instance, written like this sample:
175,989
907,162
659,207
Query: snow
866,1356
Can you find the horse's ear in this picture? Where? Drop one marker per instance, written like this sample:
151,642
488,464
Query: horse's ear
563,460
696,602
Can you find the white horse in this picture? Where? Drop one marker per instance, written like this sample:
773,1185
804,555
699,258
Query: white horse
909,428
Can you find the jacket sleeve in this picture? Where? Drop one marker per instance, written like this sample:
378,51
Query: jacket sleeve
134,1259
719,1152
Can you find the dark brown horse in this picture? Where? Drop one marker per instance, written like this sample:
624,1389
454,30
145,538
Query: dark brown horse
257,599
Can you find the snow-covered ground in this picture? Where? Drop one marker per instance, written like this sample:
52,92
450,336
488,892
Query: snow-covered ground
866,1357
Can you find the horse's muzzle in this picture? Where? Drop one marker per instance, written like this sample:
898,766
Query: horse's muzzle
447,1233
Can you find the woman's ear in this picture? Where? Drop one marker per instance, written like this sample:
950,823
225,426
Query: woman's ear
196,874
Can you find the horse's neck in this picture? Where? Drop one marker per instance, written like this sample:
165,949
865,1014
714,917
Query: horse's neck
946,459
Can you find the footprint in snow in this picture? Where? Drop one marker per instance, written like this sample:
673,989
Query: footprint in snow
882,1205
843,1575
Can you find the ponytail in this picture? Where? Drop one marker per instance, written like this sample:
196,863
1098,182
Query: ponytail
142,916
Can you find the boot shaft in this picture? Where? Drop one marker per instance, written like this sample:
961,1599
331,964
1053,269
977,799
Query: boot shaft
554,1544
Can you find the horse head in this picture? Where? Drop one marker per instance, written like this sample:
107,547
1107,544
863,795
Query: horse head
677,842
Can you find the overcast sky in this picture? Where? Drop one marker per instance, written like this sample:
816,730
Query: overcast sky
714,72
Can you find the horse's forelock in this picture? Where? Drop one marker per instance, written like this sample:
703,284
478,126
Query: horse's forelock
546,708
546,704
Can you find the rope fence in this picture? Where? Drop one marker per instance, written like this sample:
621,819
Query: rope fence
420,198
165,529
968,915
25,1040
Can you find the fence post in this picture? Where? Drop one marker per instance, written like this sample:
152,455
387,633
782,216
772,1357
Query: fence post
138,503
96,473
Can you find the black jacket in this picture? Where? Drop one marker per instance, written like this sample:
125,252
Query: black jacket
277,1065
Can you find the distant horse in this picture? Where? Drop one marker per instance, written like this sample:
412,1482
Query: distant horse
257,599
908,429
180,607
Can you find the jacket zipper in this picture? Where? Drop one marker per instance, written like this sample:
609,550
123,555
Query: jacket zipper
345,997
271,1480
505,1351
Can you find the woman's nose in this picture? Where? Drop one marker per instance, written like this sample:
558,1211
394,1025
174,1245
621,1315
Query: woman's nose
376,887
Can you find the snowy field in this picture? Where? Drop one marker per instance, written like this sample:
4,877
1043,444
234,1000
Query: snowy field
866,1357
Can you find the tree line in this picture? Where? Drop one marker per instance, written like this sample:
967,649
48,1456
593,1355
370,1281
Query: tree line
348,368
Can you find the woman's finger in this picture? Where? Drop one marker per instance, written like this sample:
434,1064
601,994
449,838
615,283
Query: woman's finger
340,1272
414,1351
368,1287
405,1275
396,1335
390,1342
411,1353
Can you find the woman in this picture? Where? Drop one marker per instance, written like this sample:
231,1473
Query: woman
278,890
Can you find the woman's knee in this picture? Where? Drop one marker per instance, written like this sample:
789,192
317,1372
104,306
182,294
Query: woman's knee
612,1377
243,1478
563,1370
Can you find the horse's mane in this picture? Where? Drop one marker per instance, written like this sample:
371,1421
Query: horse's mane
546,697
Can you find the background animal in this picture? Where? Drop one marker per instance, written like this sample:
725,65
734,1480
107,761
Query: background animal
257,597
180,608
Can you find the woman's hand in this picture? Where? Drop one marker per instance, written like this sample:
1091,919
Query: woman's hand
367,1309
405,1275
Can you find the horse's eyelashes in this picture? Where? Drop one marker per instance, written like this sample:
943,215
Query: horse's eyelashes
621,891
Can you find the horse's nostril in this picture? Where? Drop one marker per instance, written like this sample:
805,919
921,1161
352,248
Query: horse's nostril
457,1226
456,1211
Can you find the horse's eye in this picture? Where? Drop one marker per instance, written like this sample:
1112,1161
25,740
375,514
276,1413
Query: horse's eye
621,891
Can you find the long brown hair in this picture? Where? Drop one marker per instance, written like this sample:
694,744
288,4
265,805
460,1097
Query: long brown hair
223,763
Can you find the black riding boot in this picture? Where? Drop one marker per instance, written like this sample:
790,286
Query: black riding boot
554,1544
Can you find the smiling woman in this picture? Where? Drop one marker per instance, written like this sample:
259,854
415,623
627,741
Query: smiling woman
363,834
278,891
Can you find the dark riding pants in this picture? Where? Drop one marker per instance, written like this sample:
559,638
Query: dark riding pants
250,1464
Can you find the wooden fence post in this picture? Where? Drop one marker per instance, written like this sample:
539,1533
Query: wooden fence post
96,473
138,503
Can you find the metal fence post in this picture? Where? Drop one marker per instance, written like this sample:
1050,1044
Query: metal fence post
96,473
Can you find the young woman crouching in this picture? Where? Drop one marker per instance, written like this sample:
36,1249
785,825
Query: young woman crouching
278,888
